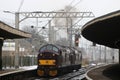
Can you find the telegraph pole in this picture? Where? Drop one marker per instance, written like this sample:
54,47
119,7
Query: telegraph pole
17,41
50,29
70,36
51,33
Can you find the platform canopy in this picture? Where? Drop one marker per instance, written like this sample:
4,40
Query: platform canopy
104,30
8,32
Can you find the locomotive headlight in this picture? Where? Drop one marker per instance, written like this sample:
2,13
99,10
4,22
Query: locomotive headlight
53,54
40,54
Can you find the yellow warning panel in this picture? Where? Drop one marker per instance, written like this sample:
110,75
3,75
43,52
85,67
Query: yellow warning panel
47,62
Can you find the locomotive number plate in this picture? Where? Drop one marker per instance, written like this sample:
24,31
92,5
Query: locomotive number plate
46,62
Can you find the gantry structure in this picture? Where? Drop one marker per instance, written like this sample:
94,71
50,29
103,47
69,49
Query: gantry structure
21,16
62,14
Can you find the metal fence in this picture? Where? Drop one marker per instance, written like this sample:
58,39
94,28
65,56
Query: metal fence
9,61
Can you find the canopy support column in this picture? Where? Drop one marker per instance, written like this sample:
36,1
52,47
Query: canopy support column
119,56
1,44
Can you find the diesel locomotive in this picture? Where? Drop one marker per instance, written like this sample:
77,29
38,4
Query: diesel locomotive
54,60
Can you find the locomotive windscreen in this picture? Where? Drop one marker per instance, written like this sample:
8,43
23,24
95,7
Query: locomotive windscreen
49,47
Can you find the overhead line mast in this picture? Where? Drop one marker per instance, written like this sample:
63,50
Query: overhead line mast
52,14
38,14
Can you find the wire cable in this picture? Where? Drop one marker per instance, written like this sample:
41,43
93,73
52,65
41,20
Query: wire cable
71,2
77,3
69,10
22,1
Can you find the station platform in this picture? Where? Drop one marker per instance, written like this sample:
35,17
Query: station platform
108,72
10,71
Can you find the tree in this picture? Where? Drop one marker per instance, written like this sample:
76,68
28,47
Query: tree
36,40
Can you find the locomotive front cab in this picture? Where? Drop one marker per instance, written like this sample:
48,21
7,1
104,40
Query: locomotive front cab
47,60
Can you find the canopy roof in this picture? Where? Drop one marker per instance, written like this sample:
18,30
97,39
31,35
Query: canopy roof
8,32
104,30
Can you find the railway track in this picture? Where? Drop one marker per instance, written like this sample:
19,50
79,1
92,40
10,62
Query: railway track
31,75
70,76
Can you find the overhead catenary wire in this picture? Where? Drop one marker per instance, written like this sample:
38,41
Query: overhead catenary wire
21,4
67,11
77,22
71,2
74,6
77,3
